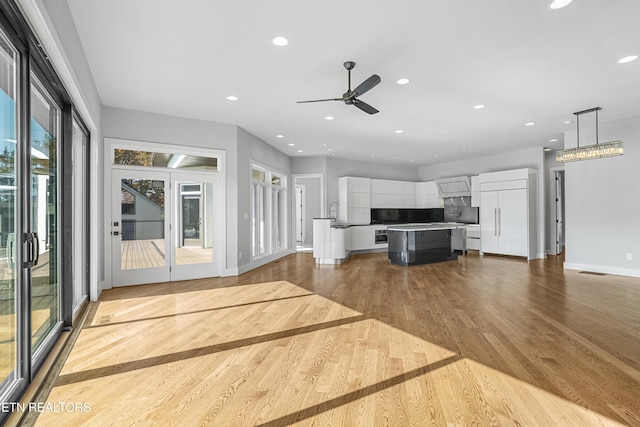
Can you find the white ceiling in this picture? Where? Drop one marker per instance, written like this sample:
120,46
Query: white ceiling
524,61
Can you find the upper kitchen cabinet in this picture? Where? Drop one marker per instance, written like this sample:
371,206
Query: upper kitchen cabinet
508,213
475,191
427,195
392,194
354,200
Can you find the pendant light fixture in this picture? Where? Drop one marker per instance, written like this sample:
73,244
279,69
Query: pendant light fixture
588,152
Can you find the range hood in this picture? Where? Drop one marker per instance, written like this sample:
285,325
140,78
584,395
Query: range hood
459,186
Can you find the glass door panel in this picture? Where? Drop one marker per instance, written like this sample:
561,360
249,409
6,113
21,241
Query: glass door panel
140,227
195,225
45,126
9,309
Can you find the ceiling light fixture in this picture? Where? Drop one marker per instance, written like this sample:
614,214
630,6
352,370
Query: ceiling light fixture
291,144
399,131
547,149
627,59
568,122
403,81
530,124
279,136
300,151
232,98
559,4
329,118
478,107
588,152
553,140
280,41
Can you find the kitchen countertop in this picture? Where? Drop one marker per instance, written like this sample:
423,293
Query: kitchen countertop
425,227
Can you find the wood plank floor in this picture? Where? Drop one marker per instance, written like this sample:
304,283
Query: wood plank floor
475,342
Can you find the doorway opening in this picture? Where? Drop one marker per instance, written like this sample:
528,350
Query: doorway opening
309,204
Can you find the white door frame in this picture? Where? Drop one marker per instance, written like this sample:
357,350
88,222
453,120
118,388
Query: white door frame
112,143
551,211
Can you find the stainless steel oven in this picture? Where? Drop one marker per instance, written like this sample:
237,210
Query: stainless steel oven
381,237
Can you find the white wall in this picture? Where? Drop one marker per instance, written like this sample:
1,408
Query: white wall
603,204
530,158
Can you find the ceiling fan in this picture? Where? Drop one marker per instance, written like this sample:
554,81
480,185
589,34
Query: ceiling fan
350,97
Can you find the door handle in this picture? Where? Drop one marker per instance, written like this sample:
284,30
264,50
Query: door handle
35,256
11,250
495,221
31,239
499,222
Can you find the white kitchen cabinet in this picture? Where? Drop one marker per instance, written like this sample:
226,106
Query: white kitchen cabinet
427,195
392,194
475,191
363,238
354,200
508,213
329,244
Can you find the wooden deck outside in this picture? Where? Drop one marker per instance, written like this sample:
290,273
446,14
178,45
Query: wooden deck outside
150,253
477,341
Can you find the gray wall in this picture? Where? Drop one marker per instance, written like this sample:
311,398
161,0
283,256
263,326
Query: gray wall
151,127
251,148
603,203
530,158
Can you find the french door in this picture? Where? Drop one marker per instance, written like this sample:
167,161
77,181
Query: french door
164,226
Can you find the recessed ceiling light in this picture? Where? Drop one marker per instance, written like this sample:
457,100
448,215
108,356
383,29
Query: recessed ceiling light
568,122
464,150
559,4
280,41
628,59
373,155
279,136
291,144
399,131
411,161
553,140
330,149
329,118
547,149
403,81
478,107
232,98
530,124
300,151
435,155
394,158
333,154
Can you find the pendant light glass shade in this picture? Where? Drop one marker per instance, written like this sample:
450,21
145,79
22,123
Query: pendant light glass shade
596,151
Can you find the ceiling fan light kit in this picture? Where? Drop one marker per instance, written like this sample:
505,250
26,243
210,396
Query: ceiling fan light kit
350,97
588,152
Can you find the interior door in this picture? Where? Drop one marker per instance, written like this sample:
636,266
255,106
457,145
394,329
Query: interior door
196,217
489,222
512,222
140,227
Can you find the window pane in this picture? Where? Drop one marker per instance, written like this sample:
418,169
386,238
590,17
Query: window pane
45,126
258,175
8,232
276,180
163,160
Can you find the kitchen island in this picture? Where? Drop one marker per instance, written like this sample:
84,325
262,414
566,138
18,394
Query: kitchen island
421,244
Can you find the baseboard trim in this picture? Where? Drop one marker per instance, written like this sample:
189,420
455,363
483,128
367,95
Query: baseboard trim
602,269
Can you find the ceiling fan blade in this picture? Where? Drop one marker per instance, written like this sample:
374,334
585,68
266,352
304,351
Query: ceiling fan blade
365,86
364,106
319,100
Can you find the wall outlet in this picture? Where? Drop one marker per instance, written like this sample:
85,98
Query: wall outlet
240,255
245,215
629,256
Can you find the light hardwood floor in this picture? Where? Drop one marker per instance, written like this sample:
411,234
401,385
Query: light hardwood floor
475,342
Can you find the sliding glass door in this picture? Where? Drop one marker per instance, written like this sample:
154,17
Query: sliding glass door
45,296
9,244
